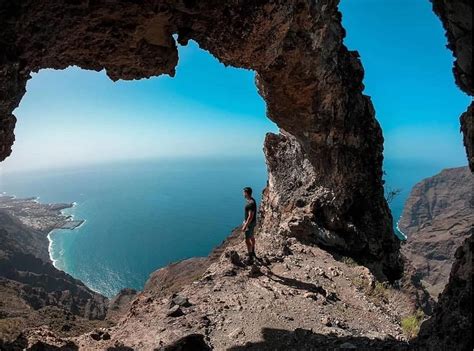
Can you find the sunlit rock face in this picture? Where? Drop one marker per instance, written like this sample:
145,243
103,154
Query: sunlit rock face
331,150
436,219
296,203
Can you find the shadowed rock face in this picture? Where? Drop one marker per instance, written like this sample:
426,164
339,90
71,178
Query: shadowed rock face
456,16
450,328
312,85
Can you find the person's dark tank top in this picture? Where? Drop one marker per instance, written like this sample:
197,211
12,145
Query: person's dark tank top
251,206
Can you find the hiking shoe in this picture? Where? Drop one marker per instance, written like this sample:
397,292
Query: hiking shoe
249,260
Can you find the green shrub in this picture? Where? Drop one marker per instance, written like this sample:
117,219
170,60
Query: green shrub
380,292
411,324
359,283
349,261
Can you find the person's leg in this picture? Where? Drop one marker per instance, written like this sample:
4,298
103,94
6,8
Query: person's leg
248,242
252,241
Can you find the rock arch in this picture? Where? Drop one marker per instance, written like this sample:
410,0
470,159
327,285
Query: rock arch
325,168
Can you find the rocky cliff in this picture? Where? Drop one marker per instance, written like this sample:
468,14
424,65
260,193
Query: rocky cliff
456,16
32,291
451,325
450,328
325,169
437,218
215,302
311,83
296,296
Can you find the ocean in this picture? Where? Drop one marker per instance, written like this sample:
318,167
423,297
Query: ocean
142,215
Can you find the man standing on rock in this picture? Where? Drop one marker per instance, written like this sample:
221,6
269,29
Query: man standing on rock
250,221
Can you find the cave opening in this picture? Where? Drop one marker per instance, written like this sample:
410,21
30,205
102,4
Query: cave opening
328,157
155,166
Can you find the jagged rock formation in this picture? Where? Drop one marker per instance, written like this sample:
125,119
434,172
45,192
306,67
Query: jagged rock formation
325,175
32,291
450,328
467,127
295,203
311,83
295,297
456,16
451,325
437,218
220,302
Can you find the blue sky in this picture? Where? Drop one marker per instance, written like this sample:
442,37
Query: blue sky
409,77
76,116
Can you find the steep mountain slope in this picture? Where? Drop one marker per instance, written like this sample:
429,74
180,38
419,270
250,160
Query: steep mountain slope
451,325
296,296
450,328
437,218
32,291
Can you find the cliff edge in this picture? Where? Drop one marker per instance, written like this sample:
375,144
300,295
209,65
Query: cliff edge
437,218
32,291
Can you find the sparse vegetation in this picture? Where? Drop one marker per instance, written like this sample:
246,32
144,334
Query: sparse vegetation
9,328
359,283
411,324
349,261
391,194
380,292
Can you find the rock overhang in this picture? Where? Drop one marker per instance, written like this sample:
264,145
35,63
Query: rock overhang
311,83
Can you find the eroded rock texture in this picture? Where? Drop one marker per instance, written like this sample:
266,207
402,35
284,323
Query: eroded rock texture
456,16
312,85
450,328
32,291
467,128
437,218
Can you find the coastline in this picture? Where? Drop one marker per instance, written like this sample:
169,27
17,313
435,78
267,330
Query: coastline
50,245
33,291
49,217
399,230
76,225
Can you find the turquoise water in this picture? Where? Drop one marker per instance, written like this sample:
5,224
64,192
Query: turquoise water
143,215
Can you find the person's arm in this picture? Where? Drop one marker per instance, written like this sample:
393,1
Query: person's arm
249,219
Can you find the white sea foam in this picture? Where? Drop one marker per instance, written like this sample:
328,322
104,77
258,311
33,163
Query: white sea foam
398,228
50,249
50,240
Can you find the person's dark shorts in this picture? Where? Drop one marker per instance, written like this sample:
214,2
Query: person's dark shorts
250,231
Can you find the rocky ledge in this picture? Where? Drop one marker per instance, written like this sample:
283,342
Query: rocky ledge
295,296
437,218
